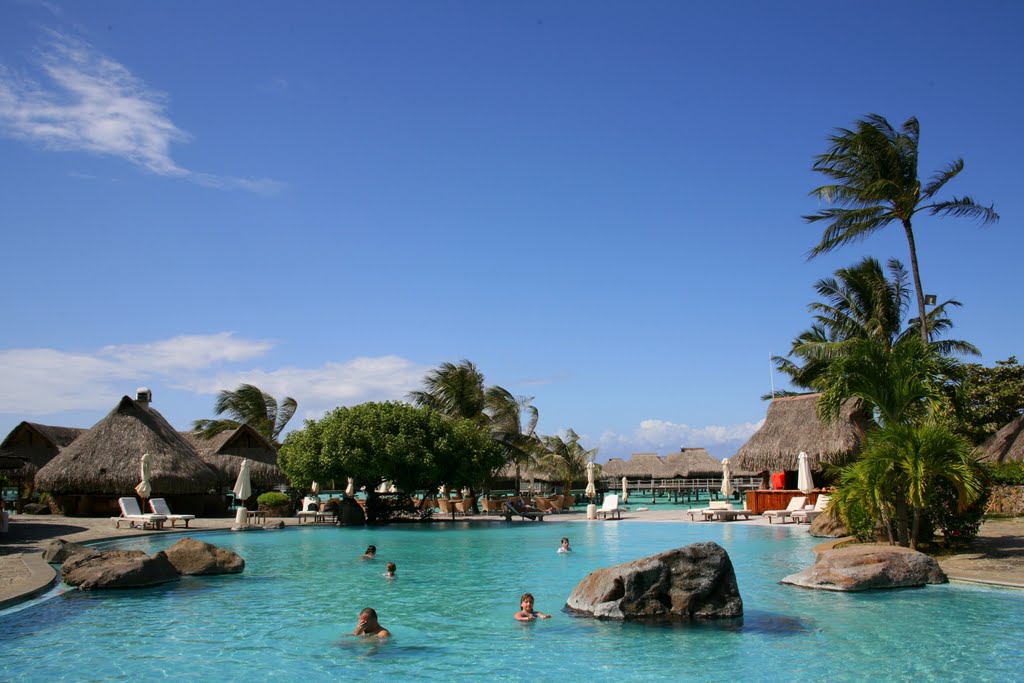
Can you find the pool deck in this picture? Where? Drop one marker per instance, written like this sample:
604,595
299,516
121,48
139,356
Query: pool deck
995,558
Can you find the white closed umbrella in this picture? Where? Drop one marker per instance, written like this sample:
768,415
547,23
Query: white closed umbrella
242,491
804,479
145,488
392,488
443,491
726,479
383,488
315,488
350,490
591,491
625,490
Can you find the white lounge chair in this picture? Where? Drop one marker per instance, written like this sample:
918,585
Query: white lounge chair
311,510
131,513
795,503
160,507
808,515
611,507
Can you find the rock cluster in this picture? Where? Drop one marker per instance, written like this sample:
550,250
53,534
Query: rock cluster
859,567
90,569
693,582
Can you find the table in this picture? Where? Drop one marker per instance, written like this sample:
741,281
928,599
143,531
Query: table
257,516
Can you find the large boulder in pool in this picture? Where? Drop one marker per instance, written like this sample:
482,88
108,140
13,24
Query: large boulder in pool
118,569
693,582
828,525
57,550
863,567
193,557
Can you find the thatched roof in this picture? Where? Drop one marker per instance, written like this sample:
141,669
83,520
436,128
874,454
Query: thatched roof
525,473
31,445
1006,445
792,425
105,459
693,462
688,462
225,452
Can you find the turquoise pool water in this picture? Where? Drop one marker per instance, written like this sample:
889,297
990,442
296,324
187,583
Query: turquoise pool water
451,611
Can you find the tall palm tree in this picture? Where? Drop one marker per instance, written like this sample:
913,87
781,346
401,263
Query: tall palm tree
518,439
875,182
566,459
455,390
249,405
862,303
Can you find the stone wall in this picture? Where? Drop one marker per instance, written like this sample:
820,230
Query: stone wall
1007,500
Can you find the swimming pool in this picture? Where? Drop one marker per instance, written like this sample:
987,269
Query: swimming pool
451,612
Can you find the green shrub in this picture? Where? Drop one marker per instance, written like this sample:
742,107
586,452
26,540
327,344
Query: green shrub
273,499
1007,473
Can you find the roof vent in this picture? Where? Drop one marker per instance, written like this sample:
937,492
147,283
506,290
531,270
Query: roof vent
144,396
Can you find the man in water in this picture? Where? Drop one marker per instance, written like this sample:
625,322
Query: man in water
369,626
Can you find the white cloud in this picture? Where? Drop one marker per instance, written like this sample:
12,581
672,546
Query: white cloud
94,104
663,437
47,381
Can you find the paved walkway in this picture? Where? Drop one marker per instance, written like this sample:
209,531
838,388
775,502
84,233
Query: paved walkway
996,557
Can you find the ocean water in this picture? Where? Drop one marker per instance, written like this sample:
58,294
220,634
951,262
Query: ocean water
451,609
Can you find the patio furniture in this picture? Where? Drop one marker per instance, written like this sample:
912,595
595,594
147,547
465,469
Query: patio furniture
795,503
160,507
131,513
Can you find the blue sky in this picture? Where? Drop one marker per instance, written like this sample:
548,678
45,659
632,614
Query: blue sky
597,203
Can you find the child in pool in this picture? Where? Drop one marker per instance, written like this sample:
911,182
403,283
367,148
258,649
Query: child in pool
526,612
390,573
564,548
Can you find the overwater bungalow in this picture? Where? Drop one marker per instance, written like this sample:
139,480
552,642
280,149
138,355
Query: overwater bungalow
791,426
1006,445
102,464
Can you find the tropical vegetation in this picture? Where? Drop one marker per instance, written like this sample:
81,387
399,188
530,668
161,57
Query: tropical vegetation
874,182
250,405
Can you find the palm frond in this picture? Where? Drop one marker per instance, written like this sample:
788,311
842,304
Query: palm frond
964,207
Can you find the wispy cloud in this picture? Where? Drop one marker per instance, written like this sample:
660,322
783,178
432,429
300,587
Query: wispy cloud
94,104
48,381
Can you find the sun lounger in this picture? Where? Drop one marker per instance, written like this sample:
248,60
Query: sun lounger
795,503
708,513
160,507
807,516
311,510
131,513
525,511
731,515
610,508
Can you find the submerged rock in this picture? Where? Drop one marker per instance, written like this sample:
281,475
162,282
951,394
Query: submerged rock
693,582
858,568
193,557
118,569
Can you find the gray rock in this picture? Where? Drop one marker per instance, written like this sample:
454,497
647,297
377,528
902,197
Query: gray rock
57,550
827,525
863,567
351,513
118,569
192,557
274,525
693,582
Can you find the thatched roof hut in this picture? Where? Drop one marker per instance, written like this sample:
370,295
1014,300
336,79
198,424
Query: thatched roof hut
792,426
693,463
31,445
225,452
104,461
1006,445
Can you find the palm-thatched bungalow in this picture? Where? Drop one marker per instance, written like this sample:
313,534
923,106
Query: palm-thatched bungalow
103,464
1006,445
31,445
693,463
225,452
791,426
687,463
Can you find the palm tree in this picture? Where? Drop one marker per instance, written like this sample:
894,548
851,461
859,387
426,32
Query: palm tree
862,303
565,458
875,182
518,440
454,390
249,405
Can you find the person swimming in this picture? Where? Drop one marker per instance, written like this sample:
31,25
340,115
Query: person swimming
369,626
526,612
564,548
391,569
371,552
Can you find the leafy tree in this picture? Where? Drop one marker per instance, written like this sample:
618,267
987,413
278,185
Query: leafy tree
517,439
874,182
566,459
414,447
249,405
862,303
988,398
